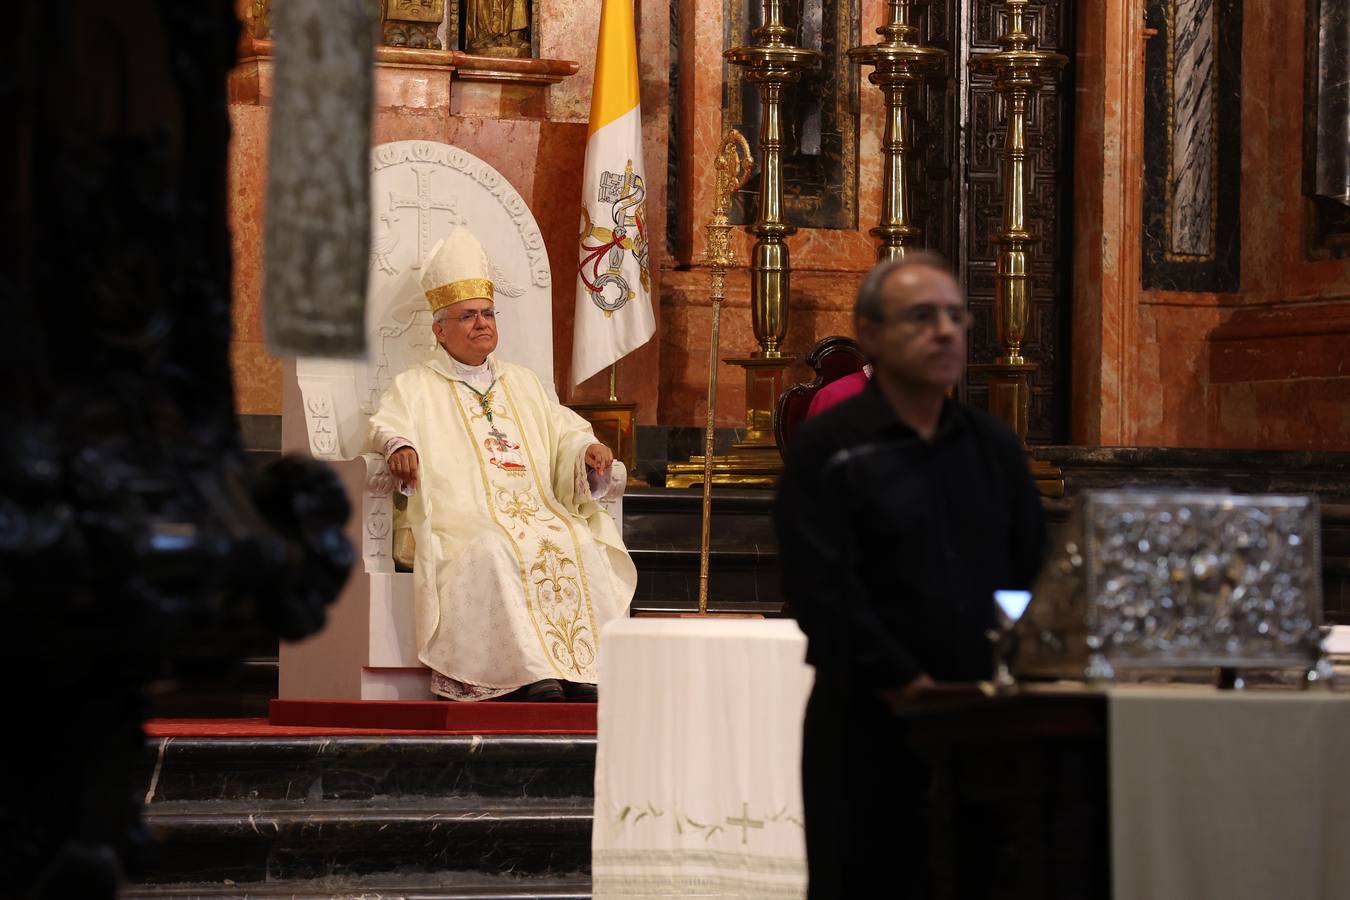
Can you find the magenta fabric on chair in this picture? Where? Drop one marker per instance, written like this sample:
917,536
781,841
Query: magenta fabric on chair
837,392
832,358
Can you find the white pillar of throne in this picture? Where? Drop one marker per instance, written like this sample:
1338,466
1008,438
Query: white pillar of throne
419,189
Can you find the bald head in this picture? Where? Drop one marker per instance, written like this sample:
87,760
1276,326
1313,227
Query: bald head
911,322
871,299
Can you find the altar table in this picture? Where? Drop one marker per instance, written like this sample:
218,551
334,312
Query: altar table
698,762
1138,793
1229,795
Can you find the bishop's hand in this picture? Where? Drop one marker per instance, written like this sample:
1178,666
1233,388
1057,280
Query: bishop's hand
599,458
403,465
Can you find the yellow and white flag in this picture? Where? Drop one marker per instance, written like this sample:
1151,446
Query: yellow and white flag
614,282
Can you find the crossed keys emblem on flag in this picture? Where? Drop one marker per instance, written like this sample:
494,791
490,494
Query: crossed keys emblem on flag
604,249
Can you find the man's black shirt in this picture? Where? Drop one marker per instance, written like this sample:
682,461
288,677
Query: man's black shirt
891,546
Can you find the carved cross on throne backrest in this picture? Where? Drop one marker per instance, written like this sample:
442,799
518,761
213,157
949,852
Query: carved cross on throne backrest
419,190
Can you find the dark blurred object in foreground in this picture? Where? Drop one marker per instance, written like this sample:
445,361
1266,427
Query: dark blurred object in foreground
135,541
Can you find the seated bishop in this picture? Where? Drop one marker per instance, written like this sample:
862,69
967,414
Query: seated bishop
517,568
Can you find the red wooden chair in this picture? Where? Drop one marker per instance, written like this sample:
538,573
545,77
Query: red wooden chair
831,358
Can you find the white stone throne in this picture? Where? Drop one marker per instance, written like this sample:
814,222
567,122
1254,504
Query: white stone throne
419,189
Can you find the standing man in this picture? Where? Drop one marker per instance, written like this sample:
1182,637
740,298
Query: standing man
517,568
899,514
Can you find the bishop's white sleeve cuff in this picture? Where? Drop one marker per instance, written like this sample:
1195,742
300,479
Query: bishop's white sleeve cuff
599,484
393,445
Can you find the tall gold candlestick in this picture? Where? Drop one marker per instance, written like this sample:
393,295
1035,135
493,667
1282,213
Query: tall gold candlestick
898,64
1019,71
771,65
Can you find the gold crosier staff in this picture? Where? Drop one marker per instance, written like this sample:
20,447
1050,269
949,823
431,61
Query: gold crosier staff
733,167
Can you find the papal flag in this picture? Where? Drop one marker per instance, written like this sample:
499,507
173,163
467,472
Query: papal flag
614,282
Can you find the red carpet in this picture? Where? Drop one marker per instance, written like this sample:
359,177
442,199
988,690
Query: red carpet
299,718
437,716
342,717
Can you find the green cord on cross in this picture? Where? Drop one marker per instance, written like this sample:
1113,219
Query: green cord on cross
484,398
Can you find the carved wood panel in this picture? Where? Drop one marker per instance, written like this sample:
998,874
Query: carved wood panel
936,134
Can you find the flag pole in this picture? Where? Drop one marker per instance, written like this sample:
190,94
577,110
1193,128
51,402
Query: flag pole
733,168
614,314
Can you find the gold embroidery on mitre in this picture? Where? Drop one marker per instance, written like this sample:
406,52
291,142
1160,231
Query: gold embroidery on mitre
458,292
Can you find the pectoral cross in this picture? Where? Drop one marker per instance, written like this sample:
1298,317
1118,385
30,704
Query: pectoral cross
423,202
745,823
485,403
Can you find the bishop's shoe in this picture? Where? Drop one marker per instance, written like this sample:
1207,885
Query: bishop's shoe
549,690
576,692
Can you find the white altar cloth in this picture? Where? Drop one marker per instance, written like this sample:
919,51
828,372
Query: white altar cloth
698,763
1224,795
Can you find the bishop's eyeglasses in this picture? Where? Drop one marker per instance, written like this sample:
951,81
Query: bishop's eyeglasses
469,316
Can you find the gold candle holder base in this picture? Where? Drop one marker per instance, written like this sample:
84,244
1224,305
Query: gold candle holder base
755,461
751,469
766,377
1010,400
1049,477
1009,392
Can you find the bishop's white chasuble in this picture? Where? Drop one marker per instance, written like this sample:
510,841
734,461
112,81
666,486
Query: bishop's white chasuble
517,568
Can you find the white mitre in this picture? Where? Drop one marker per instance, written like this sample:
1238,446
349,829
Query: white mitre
457,269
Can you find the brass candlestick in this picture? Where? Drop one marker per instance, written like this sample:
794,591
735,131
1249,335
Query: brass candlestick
899,63
1019,70
733,170
772,64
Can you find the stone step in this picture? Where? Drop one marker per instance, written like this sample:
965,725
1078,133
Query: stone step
739,580
665,518
409,886
378,815
320,770
250,841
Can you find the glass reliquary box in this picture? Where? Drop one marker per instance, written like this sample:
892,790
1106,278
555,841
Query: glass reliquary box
1177,580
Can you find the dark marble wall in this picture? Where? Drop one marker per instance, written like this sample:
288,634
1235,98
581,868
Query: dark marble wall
1326,129
1192,145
